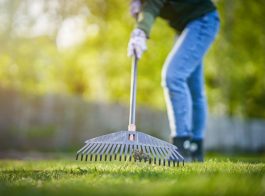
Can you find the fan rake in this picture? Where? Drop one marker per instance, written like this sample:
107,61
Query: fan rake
130,145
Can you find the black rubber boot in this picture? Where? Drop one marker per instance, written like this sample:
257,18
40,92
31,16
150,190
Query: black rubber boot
196,149
183,144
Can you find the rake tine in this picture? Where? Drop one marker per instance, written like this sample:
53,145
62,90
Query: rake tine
140,151
87,149
147,150
99,149
91,157
100,157
153,153
134,149
102,152
144,151
107,151
173,154
166,153
131,149
149,153
165,160
112,151
84,150
178,157
93,147
80,151
160,154
157,154
122,149
155,158
178,154
94,150
144,154
137,148
129,152
116,151
125,152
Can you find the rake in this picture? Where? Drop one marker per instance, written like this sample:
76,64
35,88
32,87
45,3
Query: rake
130,145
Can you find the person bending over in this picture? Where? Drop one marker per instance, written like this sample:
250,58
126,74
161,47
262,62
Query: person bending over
197,23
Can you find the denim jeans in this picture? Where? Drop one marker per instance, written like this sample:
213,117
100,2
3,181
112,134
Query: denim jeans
183,78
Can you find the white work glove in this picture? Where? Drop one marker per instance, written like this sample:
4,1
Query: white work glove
137,43
135,8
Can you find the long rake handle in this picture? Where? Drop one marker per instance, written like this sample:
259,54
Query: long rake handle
132,126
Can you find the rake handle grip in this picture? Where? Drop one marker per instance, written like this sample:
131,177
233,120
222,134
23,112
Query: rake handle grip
132,126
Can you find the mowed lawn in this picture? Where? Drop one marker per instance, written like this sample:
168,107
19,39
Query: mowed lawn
218,176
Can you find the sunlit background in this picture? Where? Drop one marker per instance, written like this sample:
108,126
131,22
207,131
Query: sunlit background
65,75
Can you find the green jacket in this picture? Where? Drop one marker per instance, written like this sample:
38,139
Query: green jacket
177,12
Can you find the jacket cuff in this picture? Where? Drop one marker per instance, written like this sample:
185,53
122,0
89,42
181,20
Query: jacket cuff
145,22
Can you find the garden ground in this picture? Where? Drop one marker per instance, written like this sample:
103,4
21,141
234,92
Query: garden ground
219,175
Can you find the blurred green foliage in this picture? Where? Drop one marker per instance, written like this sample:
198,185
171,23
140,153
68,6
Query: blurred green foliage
33,56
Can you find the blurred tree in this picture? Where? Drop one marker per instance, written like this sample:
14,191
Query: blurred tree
79,47
235,70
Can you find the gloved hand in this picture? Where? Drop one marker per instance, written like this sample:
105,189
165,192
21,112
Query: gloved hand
137,43
135,8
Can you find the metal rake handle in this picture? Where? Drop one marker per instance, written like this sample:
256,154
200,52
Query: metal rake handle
132,126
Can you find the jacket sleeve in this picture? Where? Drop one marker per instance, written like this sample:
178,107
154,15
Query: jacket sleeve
150,10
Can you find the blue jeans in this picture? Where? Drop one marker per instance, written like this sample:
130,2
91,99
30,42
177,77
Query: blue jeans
183,78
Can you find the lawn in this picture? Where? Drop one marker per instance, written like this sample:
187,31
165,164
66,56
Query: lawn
220,176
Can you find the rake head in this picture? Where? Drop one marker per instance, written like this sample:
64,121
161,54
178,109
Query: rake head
130,146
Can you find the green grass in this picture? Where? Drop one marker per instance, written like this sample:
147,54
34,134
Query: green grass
66,177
